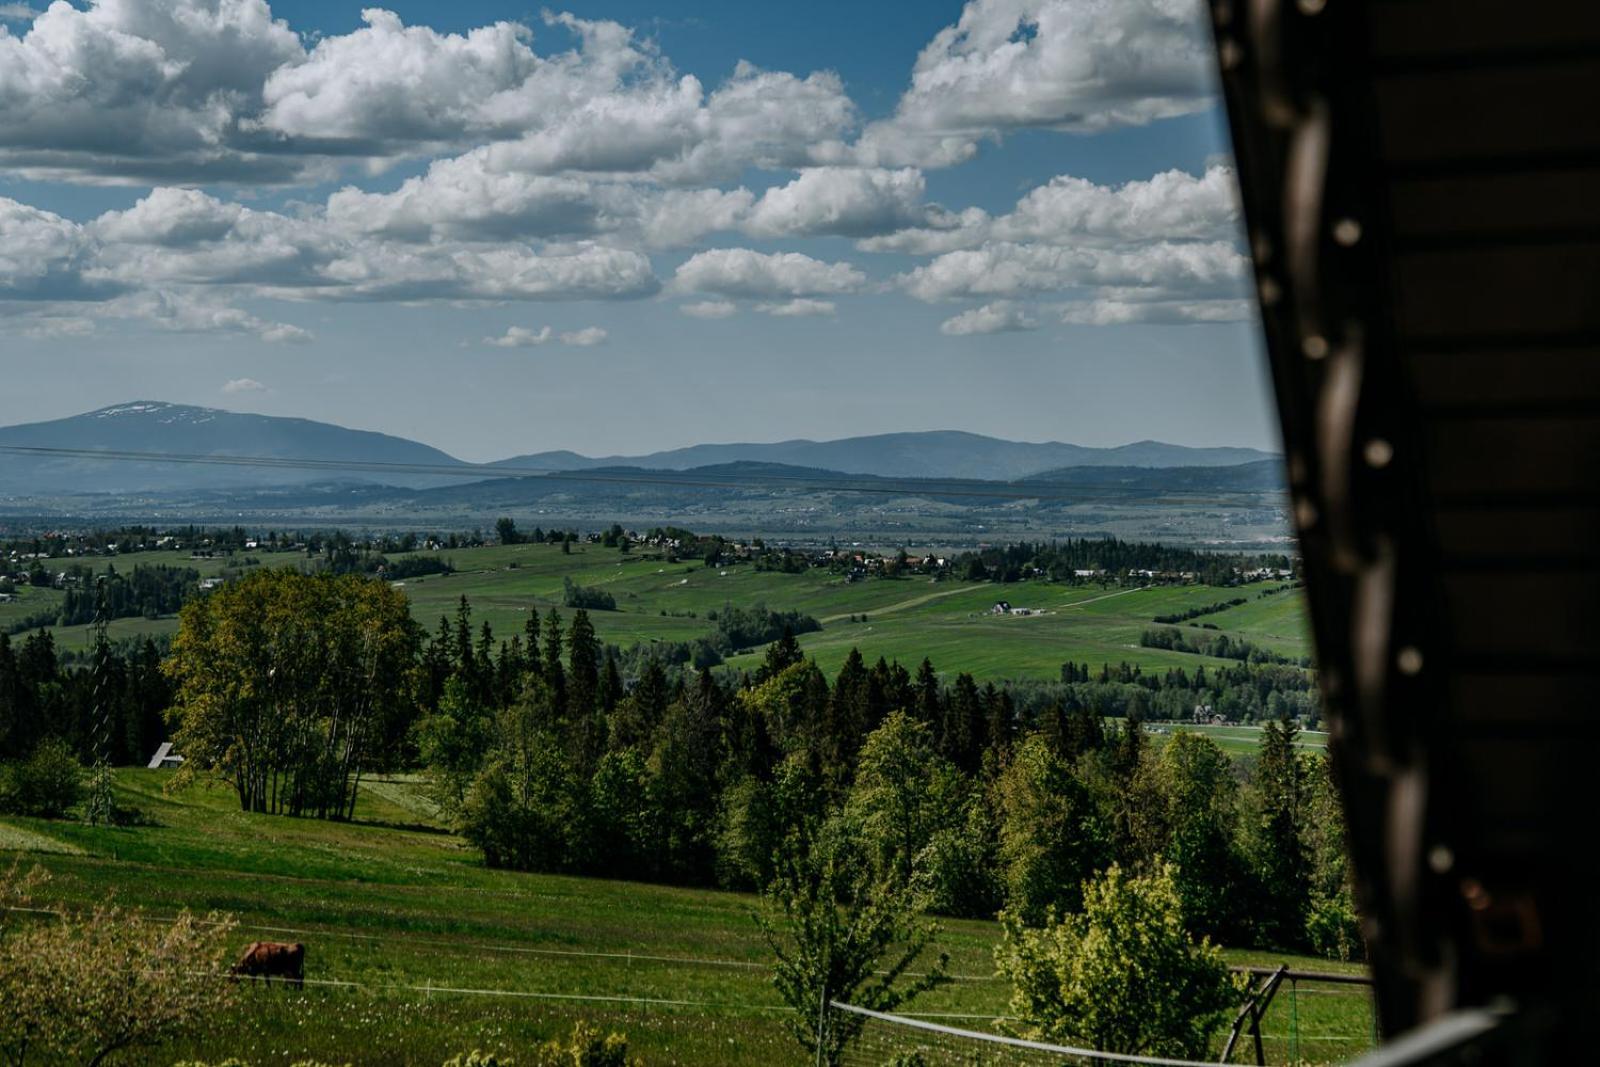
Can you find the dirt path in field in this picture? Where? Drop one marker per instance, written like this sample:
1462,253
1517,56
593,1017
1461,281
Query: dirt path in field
914,602
1108,596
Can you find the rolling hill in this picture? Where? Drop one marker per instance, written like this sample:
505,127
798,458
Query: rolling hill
58,459
929,454
152,426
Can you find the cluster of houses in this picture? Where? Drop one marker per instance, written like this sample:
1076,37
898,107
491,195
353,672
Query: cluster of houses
1264,574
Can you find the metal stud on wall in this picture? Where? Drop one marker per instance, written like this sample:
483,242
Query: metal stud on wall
1303,153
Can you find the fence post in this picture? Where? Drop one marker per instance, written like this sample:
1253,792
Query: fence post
1294,1022
822,1017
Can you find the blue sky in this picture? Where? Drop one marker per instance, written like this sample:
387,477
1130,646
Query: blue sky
618,227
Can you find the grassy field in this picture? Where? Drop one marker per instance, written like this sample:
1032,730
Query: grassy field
1239,740
905,619
416,951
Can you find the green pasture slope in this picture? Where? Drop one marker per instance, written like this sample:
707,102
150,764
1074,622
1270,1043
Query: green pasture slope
906,619
416,952
1240,740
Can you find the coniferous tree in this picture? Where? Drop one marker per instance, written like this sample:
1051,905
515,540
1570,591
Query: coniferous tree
463,643
961,741
531,634
1127,758
585,722
781,654
555,675
610,690
640,712
846,722
1282,865
928,707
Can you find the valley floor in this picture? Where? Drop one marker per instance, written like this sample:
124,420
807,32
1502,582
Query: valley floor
903,619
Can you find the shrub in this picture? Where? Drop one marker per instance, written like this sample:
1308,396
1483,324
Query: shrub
476,1059
1332,927
836,935
81,989
1124,976
585,1048
574,595
45,785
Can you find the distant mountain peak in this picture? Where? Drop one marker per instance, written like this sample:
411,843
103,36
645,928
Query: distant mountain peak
158,410
156,427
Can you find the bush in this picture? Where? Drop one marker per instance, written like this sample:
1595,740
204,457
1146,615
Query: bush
45,785
79,989
1332,928
1123,976
477,1059
586,1048
574,595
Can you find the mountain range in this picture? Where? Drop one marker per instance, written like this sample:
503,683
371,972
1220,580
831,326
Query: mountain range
928,454
56,458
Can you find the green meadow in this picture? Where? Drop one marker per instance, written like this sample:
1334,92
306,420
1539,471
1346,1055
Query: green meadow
416,952
905,619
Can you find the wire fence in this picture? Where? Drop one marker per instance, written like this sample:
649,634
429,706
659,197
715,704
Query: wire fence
898,1041
1309,1019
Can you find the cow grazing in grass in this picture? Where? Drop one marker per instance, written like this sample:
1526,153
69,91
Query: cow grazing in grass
273,959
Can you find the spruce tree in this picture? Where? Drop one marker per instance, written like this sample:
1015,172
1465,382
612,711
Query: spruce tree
555,675
781,654
928,709
1282,865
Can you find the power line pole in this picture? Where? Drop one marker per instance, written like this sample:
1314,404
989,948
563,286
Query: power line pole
98,810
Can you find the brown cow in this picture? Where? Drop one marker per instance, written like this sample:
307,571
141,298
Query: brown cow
273,959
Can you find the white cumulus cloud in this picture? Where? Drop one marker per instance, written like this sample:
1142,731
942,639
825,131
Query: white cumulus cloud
522,337
1112,312
742,272
1170,206
848,201
587,337
243,385
998,317
710,309
1005,270
126,90
801,307
1071,65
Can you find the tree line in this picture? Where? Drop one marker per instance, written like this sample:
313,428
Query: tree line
1061,561
48,694
979,799
553,751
